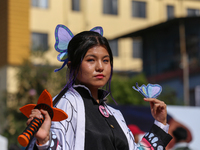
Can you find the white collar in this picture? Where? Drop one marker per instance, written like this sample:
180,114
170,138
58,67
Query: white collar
105,93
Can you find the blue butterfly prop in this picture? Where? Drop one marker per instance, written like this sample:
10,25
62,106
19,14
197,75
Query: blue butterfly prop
149,91
63,36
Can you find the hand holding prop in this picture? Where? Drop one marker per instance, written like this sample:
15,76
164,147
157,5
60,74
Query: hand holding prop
45,103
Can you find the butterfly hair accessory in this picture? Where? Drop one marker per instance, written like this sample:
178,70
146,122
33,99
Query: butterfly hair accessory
63,35
149,91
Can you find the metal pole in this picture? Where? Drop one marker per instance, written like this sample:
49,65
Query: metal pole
184,58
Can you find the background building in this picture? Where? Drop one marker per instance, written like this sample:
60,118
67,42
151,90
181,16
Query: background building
163,51
27,27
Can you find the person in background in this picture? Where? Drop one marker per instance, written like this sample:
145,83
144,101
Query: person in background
135,131
180,136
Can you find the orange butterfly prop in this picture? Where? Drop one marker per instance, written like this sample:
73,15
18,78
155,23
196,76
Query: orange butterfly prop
45,103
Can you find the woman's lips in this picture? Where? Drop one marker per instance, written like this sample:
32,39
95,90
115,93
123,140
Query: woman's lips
99,76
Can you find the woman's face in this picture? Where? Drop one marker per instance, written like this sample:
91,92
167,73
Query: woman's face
95,68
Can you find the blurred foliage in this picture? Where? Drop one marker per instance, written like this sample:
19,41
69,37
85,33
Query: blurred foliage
32,80
3,112
168,95
122,91
124,94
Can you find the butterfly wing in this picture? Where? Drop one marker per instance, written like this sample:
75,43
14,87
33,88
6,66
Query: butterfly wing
154,90
62,35
98,29
141,90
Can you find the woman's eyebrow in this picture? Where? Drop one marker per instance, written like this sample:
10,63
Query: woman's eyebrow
106,56
91,55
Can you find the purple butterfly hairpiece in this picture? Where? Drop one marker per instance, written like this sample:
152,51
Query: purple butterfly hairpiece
149,91
63,36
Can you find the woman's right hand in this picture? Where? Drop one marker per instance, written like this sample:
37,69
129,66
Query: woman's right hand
42,134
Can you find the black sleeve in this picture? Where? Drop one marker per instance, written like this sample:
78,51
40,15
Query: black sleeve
155,139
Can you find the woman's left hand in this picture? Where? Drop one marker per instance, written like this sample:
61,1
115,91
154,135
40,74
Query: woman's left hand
158,109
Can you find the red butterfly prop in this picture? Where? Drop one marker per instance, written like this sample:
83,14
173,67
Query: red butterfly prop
45,103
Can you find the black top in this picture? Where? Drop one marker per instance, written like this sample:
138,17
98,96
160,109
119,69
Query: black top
101,133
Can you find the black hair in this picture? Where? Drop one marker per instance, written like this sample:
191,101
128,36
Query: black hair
180,133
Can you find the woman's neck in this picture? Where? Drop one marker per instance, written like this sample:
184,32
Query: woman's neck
94,93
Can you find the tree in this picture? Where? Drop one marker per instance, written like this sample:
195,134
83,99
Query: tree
3,112
32,81
122,91
168,95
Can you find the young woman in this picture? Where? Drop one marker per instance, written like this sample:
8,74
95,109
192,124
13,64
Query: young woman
91,123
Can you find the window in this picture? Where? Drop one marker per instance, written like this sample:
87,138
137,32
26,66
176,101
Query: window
75,5
110,7
137,48
139,9
39,41
193,12
170,12
39,3
114,46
